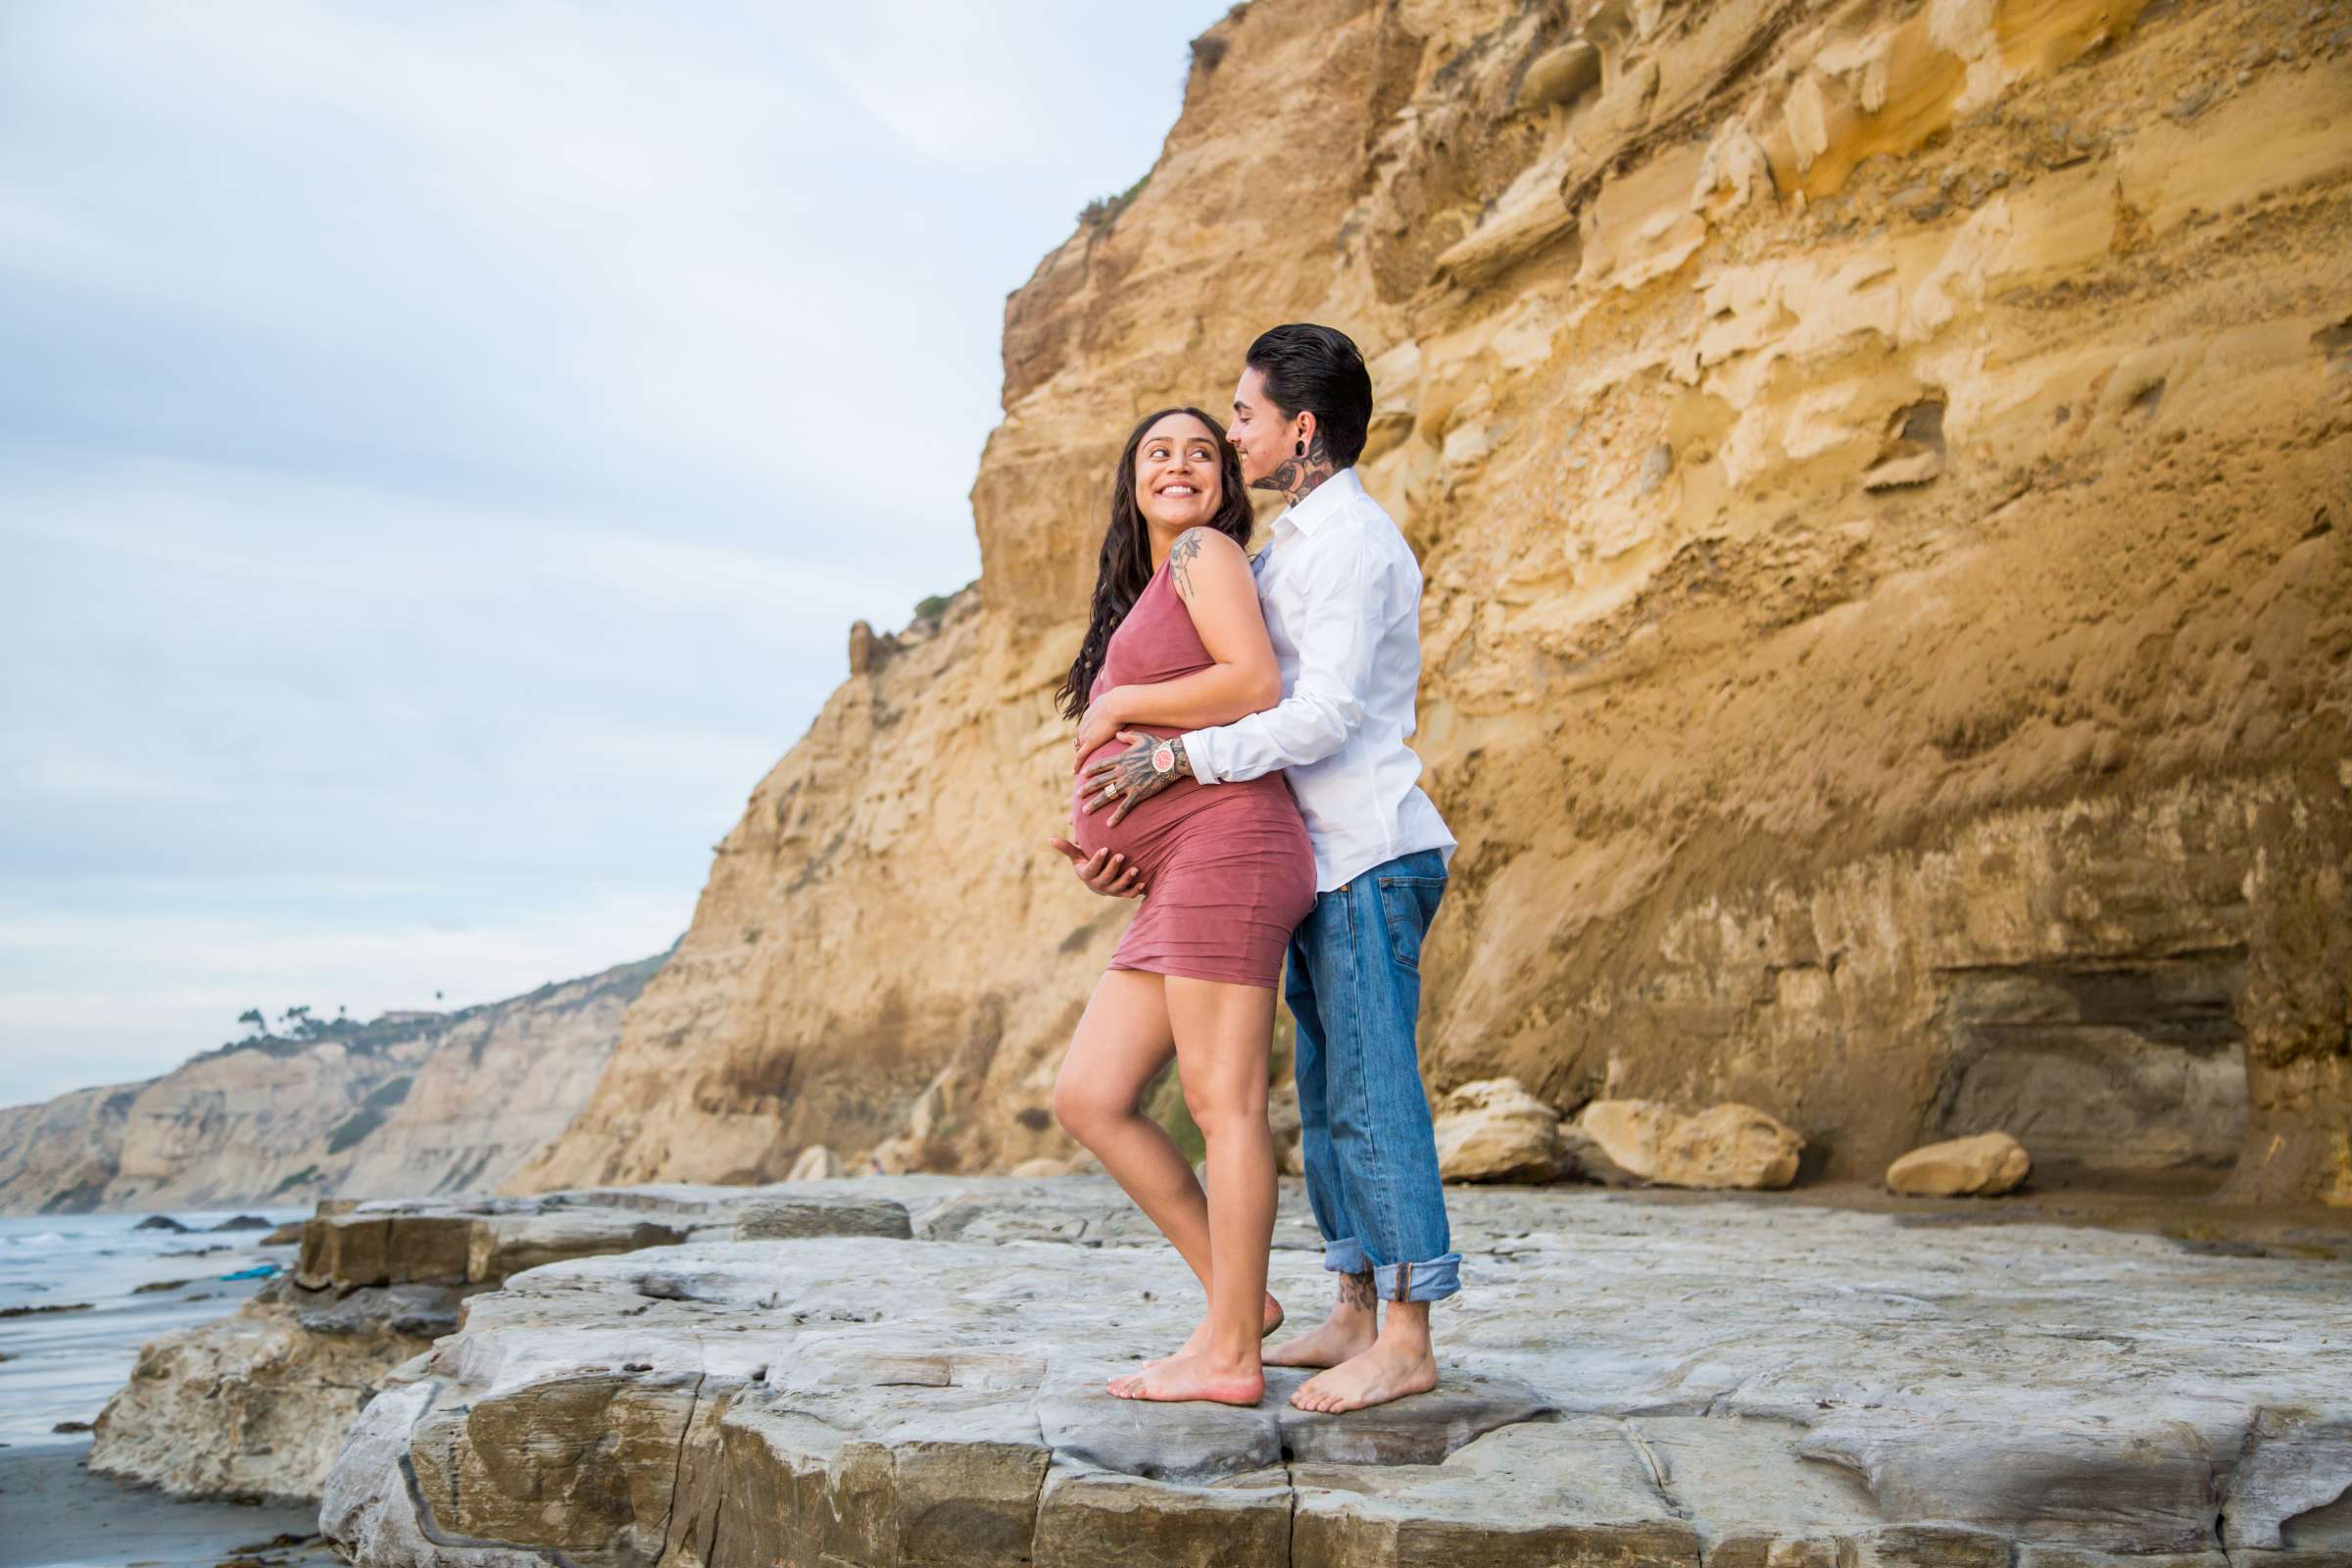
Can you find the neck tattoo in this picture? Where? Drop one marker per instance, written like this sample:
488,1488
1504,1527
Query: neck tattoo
1298,476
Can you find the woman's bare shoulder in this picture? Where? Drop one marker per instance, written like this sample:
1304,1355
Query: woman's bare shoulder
1198,549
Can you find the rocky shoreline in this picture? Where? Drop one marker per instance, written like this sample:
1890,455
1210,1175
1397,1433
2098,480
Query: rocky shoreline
907,1370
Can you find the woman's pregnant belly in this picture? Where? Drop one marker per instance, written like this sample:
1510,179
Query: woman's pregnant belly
1151,831
1143,827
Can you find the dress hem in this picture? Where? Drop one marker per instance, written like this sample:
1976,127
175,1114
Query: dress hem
1185,972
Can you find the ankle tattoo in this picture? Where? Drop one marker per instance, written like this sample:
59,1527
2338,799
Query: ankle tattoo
1356,1289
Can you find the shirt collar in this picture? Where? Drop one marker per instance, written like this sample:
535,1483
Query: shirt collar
1323,503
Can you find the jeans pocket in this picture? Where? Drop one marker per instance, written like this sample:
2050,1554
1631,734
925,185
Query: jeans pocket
1408,904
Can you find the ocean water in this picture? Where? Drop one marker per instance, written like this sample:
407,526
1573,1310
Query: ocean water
64,1366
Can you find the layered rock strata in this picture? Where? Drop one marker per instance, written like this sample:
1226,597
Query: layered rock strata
1629,1382
1880,475
433,1102
257,1403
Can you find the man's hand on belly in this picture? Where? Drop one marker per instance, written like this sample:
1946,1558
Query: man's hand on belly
1147,766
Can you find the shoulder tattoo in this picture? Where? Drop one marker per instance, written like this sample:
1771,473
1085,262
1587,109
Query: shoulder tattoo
1181,557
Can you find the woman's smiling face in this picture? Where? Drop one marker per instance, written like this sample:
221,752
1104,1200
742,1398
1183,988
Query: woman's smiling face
1177,480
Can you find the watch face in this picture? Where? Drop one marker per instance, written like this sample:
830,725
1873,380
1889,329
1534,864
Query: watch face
1163,759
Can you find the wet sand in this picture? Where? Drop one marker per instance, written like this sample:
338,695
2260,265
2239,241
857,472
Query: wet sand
54,1513
2198,1222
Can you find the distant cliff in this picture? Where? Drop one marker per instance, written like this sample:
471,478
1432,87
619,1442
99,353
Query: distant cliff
447,1103
1881,475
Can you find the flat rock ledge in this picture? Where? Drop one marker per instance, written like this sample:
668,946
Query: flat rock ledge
1716,1384
256,1404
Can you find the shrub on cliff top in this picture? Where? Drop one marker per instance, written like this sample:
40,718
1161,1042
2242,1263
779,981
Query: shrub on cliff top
1103,210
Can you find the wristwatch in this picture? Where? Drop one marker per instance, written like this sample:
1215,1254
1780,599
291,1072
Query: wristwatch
1163,759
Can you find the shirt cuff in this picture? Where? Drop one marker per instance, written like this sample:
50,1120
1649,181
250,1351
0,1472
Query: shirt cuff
1203,759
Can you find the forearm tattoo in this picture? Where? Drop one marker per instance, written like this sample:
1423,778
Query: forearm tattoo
1296,476
1181,557
1131,776
1356,1289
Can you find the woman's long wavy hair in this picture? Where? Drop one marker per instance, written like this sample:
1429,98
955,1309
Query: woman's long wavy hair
1126,566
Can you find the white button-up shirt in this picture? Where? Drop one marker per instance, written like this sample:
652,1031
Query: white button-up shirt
1342,595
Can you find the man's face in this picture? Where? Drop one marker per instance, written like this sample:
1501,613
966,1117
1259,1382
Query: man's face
1258,432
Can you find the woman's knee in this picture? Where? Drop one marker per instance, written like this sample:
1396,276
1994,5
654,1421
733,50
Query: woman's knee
1084,1111
1222,1107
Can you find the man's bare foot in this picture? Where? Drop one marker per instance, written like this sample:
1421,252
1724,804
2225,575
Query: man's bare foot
1380,1373
1194,1377
1197,1340
1340,1336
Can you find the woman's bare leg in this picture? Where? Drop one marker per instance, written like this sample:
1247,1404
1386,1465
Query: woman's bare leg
1122,1042
1223,1034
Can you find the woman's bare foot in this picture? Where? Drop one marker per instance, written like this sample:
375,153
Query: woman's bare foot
1382,1373
1344,1334
1194,1377
1198,1340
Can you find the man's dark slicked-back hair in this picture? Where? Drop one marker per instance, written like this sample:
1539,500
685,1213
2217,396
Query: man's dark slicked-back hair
1317,371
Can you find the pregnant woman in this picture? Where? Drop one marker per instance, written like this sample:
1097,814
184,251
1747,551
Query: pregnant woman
1176,643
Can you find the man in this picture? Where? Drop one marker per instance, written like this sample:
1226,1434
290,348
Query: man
1341,594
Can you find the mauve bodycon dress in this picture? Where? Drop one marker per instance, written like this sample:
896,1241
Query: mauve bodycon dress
1227,867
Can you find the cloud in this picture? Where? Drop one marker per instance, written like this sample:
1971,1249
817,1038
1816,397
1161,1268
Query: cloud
444,447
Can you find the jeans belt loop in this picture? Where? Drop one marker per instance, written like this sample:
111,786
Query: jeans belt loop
1404,1279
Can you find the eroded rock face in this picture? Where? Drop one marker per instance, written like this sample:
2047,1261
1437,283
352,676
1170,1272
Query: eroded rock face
1984,1166
257,1403
1868,1393
448,1102
1877,473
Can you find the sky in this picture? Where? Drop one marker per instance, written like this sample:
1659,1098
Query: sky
442,450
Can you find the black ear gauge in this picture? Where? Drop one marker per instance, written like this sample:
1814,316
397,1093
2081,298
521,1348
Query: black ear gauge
1302,448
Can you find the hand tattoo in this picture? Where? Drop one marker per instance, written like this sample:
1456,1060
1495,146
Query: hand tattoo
1181,557
1296,477
1356,1289
1130,776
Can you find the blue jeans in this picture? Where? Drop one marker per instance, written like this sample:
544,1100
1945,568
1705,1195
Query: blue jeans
1353,984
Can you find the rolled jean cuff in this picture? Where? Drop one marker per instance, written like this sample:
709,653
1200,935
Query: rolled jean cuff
1345,1257
1432,1281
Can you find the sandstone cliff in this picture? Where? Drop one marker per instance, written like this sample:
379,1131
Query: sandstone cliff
444,1103
1879,471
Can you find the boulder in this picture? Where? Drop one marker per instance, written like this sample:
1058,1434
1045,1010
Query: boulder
256,1403
1495,1131
243,1222
1628,1132
895,1156
817,1163
1584,1159
1041,1168
1984,1166
1728,1146
160,1222
1731,1146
